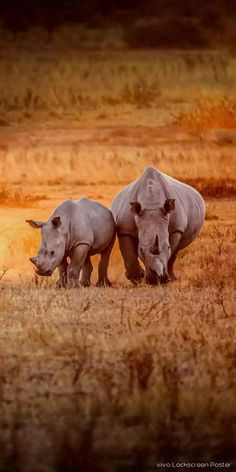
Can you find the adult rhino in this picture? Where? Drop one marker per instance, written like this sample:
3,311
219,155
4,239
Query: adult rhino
155,217
77,229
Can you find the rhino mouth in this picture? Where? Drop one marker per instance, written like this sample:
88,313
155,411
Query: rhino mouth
46,273
152,278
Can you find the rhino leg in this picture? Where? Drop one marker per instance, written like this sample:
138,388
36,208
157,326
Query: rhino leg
129,251
174,239
62,268
86,272
170,267
103,280
78,257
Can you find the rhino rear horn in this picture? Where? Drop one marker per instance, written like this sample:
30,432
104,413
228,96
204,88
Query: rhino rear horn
169,205
136,208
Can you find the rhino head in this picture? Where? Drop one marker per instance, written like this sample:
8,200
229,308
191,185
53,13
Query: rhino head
153,239
52,249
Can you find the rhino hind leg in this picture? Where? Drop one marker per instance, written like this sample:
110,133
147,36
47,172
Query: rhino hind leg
87,270
103,280
129,251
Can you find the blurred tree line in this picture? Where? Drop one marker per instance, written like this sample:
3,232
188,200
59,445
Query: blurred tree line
147,23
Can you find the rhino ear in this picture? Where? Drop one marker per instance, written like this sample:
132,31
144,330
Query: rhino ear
136,208
33,260
35,224
169,205
56,222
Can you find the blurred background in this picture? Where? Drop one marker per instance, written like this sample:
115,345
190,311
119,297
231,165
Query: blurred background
142,24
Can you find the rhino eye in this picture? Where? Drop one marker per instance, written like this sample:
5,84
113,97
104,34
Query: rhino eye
52,253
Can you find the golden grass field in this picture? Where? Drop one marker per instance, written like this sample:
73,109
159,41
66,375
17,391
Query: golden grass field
116,379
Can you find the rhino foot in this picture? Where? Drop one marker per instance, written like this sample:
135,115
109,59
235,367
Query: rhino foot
73,283
135,278
165,279
152,278
61,284
85,283
103,283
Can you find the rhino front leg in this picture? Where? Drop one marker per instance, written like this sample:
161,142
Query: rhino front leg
103,280
170,267
78,257
62,269
129,251
86,272
174,240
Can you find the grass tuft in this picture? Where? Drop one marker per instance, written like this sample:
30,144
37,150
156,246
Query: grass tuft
207,115
16,198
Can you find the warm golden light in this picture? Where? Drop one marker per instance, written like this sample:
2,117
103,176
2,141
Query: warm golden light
116,378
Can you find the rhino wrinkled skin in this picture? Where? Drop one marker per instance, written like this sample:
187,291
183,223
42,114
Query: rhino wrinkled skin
76,230
155,217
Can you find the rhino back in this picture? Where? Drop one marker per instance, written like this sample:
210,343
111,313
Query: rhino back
85,221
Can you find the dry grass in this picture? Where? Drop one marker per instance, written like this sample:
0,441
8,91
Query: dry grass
52,84
102,116
76,159
217,188
17,199
221,114
120,378
60,120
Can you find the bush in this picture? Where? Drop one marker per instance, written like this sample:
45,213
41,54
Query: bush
140,93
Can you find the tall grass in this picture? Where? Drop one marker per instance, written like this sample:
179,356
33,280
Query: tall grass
31,83
111,108
17,198
217,114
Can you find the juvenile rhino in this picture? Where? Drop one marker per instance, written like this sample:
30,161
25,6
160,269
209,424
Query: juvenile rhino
155,217
77,229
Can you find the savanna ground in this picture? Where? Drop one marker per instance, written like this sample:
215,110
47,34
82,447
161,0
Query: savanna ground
121,378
